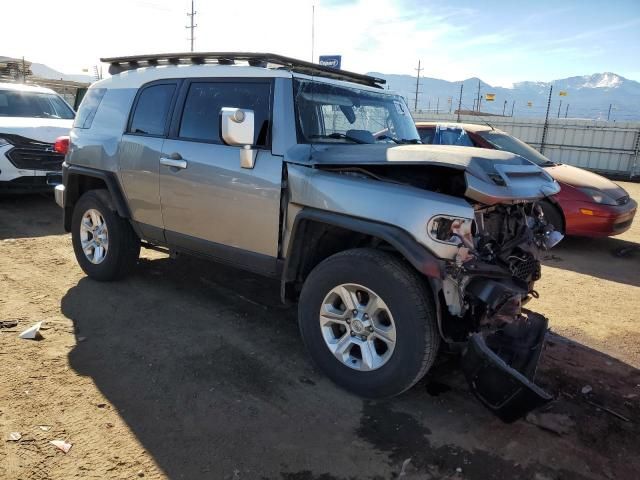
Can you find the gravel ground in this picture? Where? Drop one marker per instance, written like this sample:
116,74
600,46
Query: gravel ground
191,370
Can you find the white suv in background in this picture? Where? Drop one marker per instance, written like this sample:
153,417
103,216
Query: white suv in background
31,119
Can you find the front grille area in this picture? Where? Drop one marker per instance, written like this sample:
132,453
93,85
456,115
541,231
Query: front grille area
619,227
623,200
526,268
31,154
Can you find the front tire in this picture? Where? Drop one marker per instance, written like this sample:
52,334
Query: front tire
553,215
368,322
105,244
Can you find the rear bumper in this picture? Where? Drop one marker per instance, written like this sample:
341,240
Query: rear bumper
500,368
595,220
31,184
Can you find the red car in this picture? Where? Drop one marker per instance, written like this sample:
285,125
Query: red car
588,204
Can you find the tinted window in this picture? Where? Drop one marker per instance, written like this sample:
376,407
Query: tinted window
449,135
427,135
33,104
505,142
201,116
152,109
89,107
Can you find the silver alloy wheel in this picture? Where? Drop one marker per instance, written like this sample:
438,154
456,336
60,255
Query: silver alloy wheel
357,327
94,236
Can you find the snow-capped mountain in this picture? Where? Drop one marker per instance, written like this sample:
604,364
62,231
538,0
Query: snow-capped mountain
588,96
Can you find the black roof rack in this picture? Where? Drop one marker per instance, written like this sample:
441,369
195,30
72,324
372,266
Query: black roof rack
121,64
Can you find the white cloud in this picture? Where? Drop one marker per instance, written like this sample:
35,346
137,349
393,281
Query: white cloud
372,35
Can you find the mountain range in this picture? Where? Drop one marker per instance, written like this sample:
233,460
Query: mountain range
587,96
41,70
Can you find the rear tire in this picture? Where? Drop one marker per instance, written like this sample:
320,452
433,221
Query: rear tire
105,244
404,304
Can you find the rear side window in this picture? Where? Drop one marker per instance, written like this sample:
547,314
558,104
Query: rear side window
427,135
89,107
152,109
201,116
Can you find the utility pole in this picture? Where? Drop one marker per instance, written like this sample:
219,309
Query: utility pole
24,71
192,16
460,102
609,114
559,107
474,105
478,100
438,105
450,101
415,105
513,105
566,112
546,122
504,107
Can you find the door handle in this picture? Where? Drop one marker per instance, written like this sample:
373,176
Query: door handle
173,162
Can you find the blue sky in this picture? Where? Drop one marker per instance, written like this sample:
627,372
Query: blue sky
500,42
541,40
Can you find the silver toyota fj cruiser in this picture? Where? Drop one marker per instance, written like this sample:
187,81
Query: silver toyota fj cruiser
316,176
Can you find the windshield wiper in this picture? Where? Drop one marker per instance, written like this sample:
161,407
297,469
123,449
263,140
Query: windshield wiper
338,135
387,137
404,141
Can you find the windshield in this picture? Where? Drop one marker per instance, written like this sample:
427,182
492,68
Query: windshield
33,104
505,142
450,135
332,113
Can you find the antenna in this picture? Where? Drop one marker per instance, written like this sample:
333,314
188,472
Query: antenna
192,16
313,31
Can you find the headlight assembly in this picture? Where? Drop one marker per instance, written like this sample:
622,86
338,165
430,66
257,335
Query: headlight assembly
454,230
597,196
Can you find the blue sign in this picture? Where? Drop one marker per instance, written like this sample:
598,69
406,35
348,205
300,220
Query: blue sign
332,61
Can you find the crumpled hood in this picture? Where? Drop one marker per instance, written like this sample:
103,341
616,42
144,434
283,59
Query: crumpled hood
578,177
492,176
462,158
40,129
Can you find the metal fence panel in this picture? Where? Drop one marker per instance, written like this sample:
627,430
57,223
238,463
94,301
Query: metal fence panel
608,147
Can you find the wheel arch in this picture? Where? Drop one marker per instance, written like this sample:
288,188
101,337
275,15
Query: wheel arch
78,180
325,233
553,203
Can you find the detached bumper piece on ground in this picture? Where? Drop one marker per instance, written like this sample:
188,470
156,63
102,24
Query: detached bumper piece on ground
501,366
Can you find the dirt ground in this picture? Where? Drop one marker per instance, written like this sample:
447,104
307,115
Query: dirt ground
191,370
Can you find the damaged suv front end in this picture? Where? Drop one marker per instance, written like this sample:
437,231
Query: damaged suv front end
487,283
473,212
476,214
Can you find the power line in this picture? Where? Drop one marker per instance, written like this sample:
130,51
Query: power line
192,16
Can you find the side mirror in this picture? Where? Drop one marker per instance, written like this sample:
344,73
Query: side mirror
237,128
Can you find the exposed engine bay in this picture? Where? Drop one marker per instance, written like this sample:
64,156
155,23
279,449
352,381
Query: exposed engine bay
486,282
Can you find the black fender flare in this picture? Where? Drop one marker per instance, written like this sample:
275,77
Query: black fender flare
417,255
71,175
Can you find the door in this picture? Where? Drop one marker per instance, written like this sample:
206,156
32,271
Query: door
139,154
209,203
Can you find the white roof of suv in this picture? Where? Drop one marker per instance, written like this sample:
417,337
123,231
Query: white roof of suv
21,87
138,77
134,71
